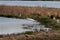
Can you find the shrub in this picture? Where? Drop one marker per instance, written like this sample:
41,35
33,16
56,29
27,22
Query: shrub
49,22
45,20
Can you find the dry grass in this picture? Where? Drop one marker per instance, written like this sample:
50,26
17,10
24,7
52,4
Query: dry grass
50,35
16,10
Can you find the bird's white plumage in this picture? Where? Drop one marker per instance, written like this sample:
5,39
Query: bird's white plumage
30,19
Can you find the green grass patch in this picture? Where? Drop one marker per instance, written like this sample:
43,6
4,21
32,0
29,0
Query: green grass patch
27,32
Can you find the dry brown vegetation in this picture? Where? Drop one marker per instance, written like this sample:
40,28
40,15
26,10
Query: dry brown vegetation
51,35
16,10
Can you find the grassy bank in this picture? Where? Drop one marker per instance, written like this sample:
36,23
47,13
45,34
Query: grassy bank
29,10
45,20
50,35
38,13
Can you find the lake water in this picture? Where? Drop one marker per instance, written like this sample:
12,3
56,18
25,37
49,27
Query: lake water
13,25
53,4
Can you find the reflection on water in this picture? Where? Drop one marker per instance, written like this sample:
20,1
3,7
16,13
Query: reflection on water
12,25
33,26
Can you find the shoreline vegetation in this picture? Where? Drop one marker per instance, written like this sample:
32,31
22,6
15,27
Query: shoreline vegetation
42,35
41,16
45,20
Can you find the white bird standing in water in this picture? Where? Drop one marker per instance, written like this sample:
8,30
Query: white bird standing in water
30,19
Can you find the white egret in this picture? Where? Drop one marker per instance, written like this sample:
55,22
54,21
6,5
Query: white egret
30,19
